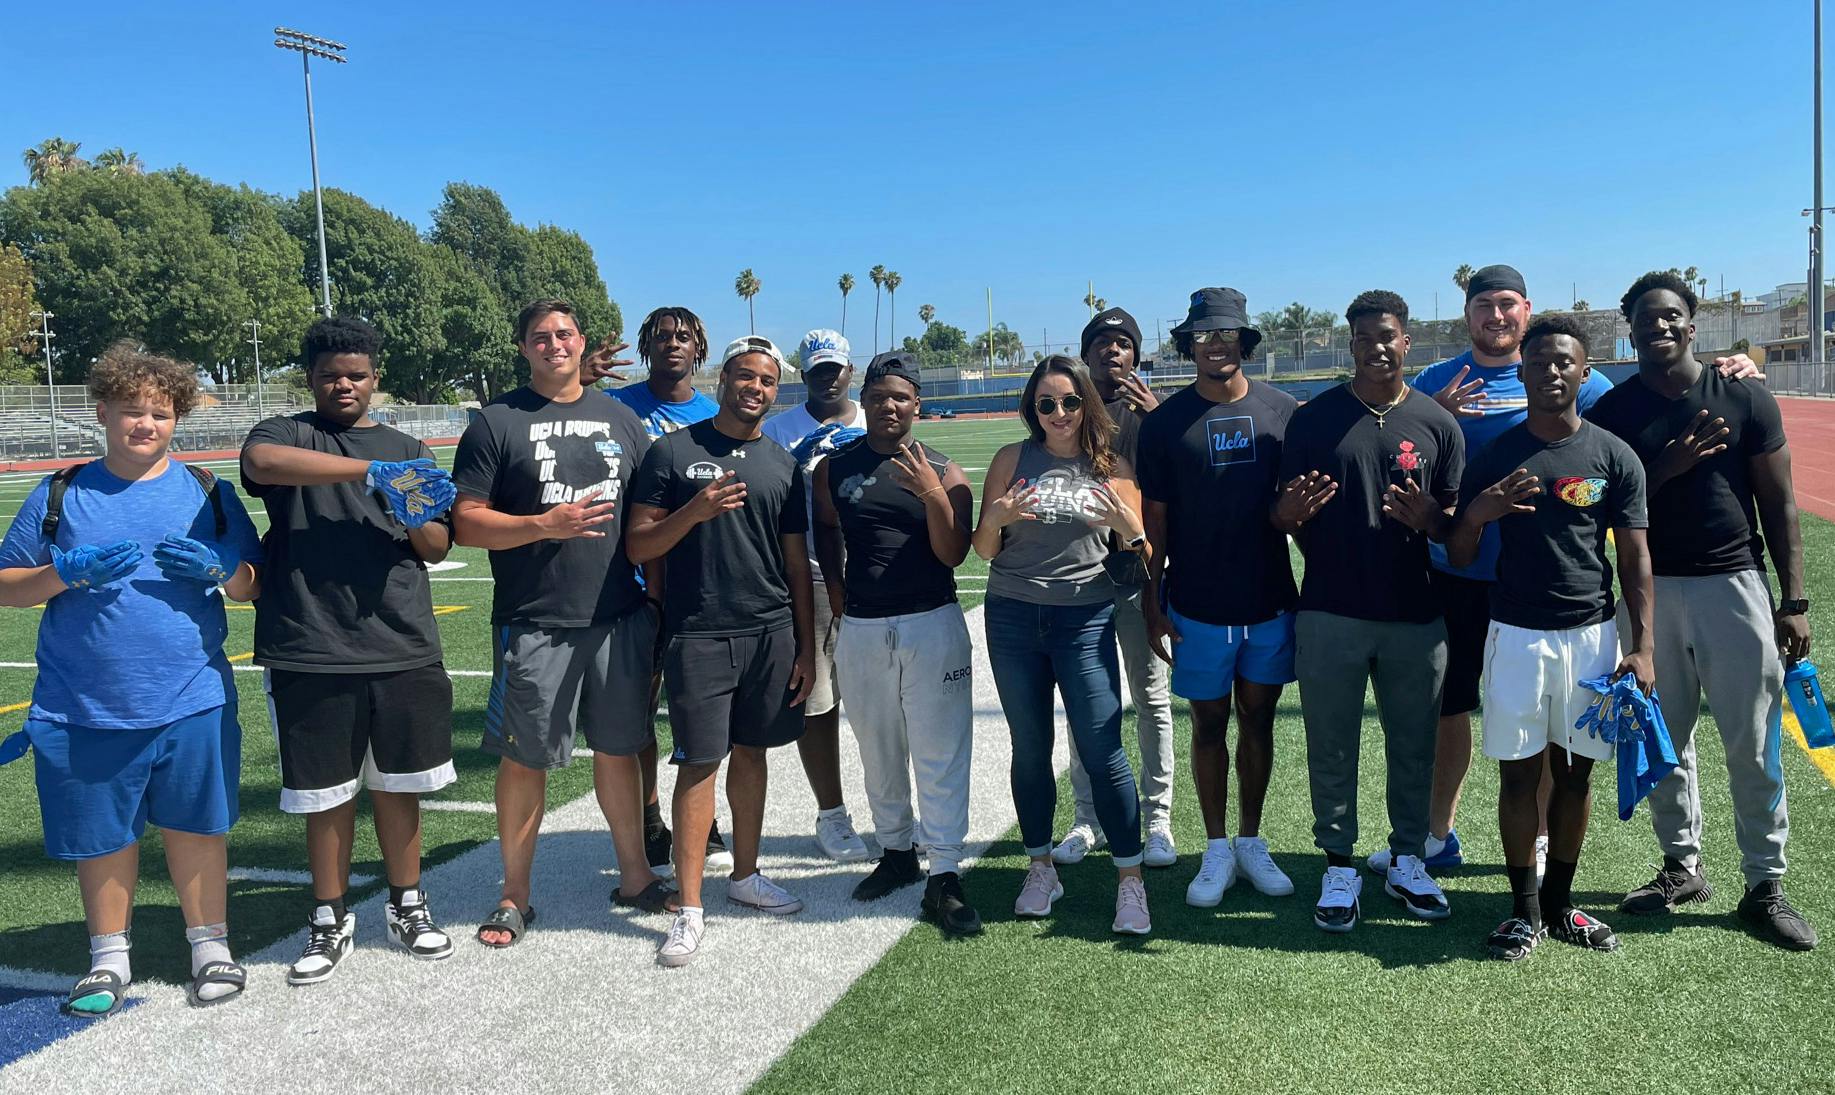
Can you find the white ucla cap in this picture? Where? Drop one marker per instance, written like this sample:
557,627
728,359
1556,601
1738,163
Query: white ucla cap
822,345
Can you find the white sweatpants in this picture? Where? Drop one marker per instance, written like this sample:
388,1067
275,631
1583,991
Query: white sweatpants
906,687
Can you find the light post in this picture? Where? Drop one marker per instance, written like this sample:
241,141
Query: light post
254,326
44,336
1816,299
310,46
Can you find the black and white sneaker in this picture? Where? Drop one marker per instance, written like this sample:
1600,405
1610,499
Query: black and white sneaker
1338,907
328,940
1514,940
411,927
658,849
1409,883
1576,927
1674,885
718,858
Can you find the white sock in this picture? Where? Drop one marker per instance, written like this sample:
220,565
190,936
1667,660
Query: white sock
209,943
1221,844
110,952
838,811
692,912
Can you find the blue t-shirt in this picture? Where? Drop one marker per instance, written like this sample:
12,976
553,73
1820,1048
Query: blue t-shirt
144,651
660,418
1505,405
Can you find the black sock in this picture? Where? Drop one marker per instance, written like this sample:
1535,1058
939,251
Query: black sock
1333,859
653,816
398,894
1558,886
1524,902
336,905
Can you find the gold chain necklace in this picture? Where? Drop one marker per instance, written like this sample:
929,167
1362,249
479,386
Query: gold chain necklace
1387,408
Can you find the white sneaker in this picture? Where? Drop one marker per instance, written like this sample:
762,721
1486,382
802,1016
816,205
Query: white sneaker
327,942
683,941
1255,864
1040,889
759,892
1338,907
1439,853
1131,908
1159,851
1541,857
1215,874
1409,883
836,837
1079,842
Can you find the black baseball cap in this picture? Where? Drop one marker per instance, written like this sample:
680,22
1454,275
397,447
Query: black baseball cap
900,363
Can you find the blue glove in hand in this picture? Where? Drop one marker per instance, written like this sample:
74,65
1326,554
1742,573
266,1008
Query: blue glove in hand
824,440
406,486
90,567
181,558
429,502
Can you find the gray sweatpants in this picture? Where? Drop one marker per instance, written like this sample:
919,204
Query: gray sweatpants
1714,635
1150,687
906,685
1336,657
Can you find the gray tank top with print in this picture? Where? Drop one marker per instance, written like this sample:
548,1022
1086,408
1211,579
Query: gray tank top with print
1057,559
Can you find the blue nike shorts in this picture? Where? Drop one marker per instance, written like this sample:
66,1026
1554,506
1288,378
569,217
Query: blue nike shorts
98,788
1208,658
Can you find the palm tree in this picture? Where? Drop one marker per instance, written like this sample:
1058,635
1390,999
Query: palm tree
846,282
120,161
51,156
926,313
1096,303
747,286
892,284
1462,277
1582,306
878,274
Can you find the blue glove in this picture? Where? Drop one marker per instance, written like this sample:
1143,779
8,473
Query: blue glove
90,567
824,440
434,499
406,486
181,558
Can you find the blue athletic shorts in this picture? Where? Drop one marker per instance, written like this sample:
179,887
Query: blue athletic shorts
98,788
1208,658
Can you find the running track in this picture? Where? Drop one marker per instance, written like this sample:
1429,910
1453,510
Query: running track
1810,425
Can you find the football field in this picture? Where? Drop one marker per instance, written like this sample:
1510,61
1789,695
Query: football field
1246,996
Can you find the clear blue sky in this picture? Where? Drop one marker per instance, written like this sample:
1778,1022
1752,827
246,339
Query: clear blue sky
1296,151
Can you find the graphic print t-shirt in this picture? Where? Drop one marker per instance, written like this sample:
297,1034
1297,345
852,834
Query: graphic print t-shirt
1215,467
661,418
788,429
343,591
891,570
1360,562
1553,573
1704,522
726,576
525,454
1504,405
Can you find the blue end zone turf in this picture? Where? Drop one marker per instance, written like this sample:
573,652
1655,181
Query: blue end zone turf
30,1021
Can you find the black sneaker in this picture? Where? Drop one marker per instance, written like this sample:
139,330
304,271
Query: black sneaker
717,854
1769,914
895,869
944,903
1576,927
411,927
1514,940
658,850
327,942
1674,885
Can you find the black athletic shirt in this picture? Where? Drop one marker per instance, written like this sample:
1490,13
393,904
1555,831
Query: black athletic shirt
1360,562
891,570
1703,522
525,454
1553,573
1215,467
726,577
343,590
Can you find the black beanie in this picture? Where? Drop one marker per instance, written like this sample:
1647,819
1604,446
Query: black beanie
1491,279
1113,319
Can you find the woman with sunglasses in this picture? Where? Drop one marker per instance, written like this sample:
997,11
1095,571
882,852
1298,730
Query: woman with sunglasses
1048,509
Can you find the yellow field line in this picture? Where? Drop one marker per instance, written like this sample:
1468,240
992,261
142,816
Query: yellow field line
1823,759
11,707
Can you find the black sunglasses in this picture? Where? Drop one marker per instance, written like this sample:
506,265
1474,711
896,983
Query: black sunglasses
1047,405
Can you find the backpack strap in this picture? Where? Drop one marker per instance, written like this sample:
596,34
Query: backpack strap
213,491
54,500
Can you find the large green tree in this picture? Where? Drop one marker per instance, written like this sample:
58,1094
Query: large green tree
19,360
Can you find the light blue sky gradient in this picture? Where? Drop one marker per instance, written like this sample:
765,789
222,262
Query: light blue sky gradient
1295,150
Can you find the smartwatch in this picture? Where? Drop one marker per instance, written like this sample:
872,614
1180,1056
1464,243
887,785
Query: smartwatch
1798,607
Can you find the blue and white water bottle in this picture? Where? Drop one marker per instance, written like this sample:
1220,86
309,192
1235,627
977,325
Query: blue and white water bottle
1804,687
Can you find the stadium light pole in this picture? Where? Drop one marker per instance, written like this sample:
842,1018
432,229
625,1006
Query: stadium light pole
308,47
1817,319
254,326
44,336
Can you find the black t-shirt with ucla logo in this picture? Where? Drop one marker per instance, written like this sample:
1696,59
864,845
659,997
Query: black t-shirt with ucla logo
1552,571
1360,562
524,454
1214,466
726,576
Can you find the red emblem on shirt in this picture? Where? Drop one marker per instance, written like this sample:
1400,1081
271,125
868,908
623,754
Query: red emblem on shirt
1408,459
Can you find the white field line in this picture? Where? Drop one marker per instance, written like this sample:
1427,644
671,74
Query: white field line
245,668
458,806
298,878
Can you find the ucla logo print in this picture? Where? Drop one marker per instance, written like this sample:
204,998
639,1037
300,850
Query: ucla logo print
854,486
704,470
1231,440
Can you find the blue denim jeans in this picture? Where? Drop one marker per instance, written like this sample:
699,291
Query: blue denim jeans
1033,648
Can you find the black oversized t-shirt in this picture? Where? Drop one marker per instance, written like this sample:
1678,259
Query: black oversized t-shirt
726,576
1704,521
1215,467
342,590
1125,568
891,569
1552,572
1360,562
524,454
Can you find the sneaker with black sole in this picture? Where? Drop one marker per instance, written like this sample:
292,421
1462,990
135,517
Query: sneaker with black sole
1409,883
1514,940
1576,927
659,851
411,927
944,903
1339,905
718,858
1674,885
328,940
896,868
1442,855
1769,915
